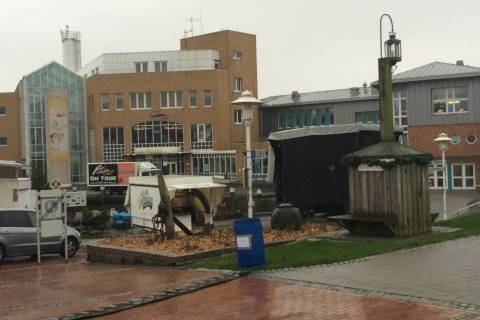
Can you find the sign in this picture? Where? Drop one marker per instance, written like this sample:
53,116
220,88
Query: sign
110,174
367,168
76,198
51,204
57,135
244,242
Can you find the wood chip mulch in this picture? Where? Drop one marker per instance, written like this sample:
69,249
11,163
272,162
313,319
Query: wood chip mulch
218,238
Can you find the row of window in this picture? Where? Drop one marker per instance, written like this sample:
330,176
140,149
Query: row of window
159,66
168,99
299,119
459,176
450,100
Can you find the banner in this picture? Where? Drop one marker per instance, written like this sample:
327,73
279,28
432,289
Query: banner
57,135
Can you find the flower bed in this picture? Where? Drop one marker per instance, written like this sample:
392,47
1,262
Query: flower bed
219,238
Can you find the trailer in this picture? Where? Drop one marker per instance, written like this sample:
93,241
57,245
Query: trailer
189,195
307,168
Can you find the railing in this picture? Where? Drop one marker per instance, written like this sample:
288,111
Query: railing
239,205
463,211
202,145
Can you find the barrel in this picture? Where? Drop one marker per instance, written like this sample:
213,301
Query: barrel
249,240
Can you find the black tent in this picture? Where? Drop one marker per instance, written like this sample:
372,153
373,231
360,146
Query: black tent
308,171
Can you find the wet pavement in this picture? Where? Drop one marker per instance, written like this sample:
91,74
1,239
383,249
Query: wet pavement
30,291
255,299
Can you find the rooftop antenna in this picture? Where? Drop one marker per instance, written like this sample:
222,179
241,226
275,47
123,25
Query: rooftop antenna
190,31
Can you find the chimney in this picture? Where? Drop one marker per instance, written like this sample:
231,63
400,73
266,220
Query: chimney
72,55
354,91
295,96
459,63
365,87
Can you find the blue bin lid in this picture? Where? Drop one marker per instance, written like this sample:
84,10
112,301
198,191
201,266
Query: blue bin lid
246,220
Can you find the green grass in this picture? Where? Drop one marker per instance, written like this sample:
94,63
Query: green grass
308,252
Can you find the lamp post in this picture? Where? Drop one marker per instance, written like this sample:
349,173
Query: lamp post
247,101
443,141
393,54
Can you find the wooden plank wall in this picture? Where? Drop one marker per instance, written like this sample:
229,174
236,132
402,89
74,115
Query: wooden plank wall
399,194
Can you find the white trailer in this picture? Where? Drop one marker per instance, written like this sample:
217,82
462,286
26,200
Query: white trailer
143,197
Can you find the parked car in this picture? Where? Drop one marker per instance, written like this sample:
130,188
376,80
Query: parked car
18,236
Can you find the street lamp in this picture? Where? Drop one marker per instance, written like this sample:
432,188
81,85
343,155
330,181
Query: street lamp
247,101
393,54
443,141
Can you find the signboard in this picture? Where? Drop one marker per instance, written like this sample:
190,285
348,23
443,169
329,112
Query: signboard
57,135
367,168
51,213
244,242
76,198
110,174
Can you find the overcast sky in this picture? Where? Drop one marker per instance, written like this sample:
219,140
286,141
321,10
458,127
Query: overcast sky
301,45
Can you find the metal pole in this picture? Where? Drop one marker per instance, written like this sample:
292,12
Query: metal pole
65,232
444,167
249,167
39,210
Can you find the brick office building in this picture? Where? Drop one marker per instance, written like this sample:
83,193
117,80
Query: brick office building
173,107
428,100
9,127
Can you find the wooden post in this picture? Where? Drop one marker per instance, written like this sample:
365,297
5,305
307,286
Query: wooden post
165,197
386,100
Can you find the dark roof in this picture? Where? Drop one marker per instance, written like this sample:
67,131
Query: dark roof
339,95
324,130
385,149
436,70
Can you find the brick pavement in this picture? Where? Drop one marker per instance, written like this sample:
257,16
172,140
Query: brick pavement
259,299
446,272
29,291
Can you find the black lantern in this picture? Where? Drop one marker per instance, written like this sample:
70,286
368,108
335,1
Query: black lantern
393,49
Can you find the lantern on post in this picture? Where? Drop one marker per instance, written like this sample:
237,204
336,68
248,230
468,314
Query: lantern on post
443,139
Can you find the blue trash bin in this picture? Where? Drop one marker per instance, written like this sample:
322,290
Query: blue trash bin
249,240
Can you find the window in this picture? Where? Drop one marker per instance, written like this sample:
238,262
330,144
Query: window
237,84
463,176
307,118
299,118
216,64
171,99
450,100
141,67
104,102
192,98
140,100
400,109
237,116
281,118
157,134
161,66
201,136
260,165
219,164
3,141
17,219
3,111
207,98
236,55
367,117
290,119
113,144
435,178
119,101
471,138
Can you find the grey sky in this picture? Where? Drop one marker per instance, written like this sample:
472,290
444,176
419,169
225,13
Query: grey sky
301,45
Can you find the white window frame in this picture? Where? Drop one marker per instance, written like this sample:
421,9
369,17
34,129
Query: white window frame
192,93
236,55
434,176
237,116
103,104
210,93
398,97
162,66
453,100
463,177
237,84
169,95
138,96
117,107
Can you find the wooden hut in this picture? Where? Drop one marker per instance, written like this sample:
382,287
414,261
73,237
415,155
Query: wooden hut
388,191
